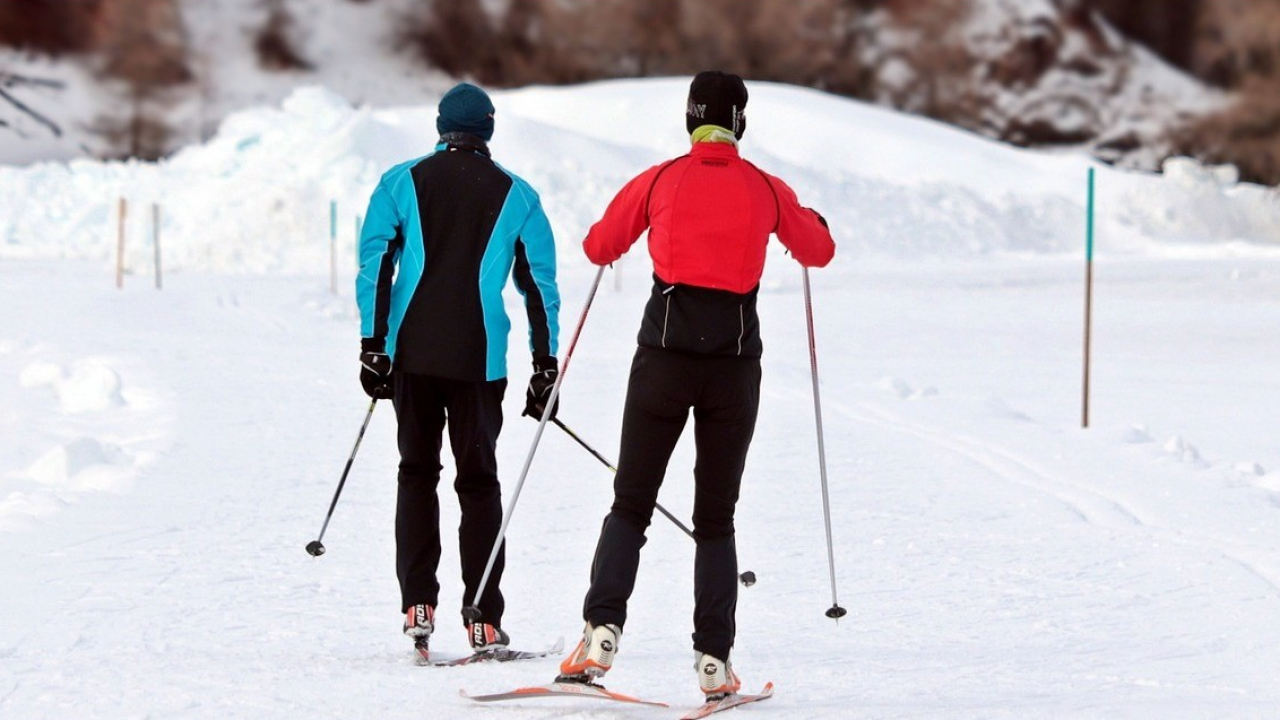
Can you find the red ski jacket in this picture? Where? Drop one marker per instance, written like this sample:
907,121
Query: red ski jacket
709,215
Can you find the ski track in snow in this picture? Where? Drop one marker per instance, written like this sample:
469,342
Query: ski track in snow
1089,505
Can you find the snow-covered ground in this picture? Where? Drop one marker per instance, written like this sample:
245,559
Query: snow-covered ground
165,455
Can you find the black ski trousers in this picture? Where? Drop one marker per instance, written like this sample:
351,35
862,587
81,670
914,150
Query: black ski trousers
473,412
724,394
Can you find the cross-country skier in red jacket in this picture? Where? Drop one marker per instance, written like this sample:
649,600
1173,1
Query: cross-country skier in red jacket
709,214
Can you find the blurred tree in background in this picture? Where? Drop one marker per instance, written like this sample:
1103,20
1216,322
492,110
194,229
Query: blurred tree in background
275,42
1237,46
142,44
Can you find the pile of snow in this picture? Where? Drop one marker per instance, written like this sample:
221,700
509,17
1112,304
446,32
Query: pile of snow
89,387
71,430
256,197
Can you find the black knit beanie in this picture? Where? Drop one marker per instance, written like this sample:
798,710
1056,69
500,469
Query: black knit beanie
717,98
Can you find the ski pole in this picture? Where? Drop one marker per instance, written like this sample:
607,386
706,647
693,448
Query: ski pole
609,465
748,578
316,548
472,612
835,612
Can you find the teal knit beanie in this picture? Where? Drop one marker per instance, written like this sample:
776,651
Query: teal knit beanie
466,108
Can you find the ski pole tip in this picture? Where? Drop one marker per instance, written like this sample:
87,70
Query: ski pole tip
315,548
835,612
471,614
748,578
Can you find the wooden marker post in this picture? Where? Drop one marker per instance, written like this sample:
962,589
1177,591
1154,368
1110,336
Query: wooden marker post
155,238
123,208
359,229
1088,301
333,247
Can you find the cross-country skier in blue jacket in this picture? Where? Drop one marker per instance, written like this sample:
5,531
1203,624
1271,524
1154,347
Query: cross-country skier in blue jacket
442,235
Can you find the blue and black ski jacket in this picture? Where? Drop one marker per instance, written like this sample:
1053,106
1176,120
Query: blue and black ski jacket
441,237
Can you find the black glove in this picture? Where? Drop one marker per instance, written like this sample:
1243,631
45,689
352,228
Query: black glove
545,372
375,373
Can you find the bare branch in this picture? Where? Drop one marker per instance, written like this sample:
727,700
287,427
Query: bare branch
10,80
30,112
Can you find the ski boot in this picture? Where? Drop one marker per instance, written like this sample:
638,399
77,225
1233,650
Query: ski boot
419,623
716,677
593,656
487,638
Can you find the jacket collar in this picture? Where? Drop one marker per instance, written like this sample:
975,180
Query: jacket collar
713,133
462,141
714,149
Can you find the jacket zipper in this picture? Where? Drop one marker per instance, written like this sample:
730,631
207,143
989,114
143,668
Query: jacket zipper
742,329
666,317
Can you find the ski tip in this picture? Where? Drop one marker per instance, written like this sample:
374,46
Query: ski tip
733,700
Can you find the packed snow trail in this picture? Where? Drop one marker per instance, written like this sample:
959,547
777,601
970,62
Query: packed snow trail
996,560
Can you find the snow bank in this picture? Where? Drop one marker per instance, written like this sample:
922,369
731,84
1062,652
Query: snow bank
90,386
70,428
256,197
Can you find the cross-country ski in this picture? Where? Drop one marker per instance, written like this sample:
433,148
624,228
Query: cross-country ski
425,657
561,689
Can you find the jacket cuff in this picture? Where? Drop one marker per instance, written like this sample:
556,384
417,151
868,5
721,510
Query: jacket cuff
373,345
545,363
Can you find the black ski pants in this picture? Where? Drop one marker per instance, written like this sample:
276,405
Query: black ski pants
473,412
724,394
